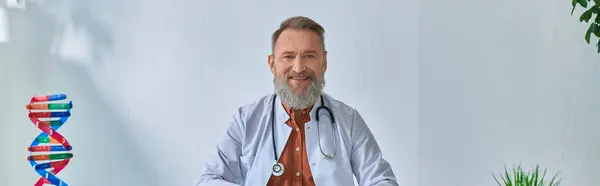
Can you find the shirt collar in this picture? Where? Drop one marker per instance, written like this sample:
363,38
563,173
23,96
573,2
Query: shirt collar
290,111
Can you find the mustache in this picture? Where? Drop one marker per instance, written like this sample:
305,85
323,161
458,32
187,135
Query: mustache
296,75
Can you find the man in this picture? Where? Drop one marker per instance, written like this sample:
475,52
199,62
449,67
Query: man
300,135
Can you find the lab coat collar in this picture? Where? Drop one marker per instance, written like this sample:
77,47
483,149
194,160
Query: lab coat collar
313,111
280,112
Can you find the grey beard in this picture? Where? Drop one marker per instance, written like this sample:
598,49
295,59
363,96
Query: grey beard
299,101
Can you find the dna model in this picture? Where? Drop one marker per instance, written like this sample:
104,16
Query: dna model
49,151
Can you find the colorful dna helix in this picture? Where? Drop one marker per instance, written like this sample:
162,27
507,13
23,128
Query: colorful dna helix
49,151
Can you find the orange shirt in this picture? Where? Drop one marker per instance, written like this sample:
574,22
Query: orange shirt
294,157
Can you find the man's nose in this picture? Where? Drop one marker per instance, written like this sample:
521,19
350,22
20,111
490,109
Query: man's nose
298,65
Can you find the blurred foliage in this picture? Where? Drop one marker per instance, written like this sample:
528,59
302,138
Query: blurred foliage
592,11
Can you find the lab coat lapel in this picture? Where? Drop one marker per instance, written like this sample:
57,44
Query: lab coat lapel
312,143
264,161
262,167
282,130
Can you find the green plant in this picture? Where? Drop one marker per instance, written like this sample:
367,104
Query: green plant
587,15
519,177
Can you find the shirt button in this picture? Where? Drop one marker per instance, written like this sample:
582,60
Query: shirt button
297,173
297,148
297,129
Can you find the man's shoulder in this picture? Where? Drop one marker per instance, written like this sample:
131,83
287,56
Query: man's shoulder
337,104
257,105
264,100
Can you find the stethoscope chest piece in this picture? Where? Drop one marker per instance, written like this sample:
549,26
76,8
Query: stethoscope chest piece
330,156
278,169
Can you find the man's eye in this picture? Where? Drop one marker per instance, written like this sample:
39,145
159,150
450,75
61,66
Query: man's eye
288,57
309,56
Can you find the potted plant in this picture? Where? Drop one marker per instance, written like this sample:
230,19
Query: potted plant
519,177
592,11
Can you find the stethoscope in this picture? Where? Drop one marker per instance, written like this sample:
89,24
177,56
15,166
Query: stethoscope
278,167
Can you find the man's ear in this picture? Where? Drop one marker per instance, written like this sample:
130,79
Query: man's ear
324,61
271,62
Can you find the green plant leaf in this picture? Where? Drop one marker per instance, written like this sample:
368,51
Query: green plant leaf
598,46
574,4
552,182
541,183
596,8
587,15
534,176
589,33
497,181
517,176
583,3
597,1
507,177
596,30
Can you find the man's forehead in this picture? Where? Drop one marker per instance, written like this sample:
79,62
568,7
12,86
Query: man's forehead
298,40
296,50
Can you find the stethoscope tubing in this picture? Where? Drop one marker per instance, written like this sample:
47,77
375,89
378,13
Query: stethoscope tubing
322,106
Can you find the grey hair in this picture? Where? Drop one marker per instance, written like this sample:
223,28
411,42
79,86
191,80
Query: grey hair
299,22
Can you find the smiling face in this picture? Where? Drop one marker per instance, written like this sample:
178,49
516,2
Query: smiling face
298,64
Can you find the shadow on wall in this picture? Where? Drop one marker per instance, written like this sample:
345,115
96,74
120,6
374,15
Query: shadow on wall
80,36
101,38
104,151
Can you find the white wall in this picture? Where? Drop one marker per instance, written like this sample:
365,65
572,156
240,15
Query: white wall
492,87
211,58
506,82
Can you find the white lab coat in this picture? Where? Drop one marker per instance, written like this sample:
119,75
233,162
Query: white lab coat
245,154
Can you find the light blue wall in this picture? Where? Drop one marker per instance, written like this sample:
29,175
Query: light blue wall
506,82
452,90
176,71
